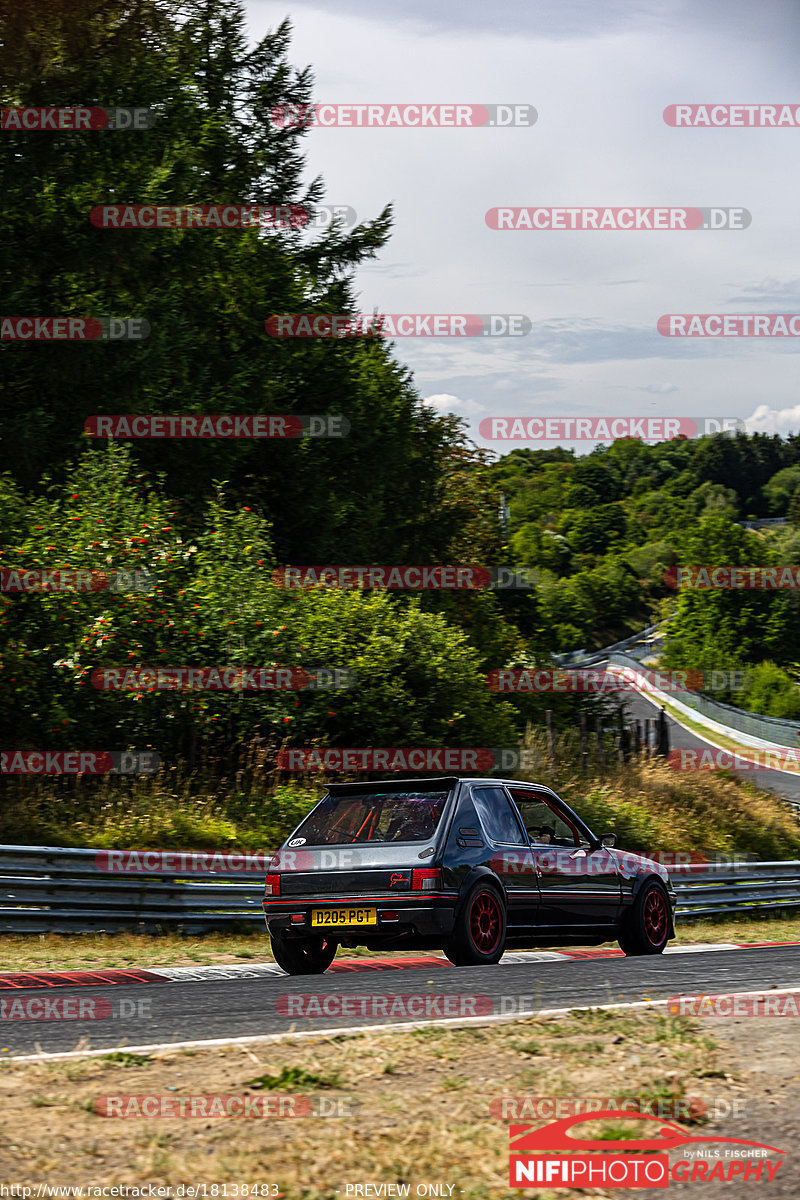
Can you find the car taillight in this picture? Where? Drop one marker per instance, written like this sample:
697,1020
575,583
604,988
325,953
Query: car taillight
426,880
273,885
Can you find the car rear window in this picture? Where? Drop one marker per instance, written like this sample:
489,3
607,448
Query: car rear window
373,817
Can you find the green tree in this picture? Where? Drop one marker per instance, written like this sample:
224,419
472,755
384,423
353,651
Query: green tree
793,514
206,294
214,603
780,489
595,530
771,691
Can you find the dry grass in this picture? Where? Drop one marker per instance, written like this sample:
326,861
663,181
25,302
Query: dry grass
423,1100
175,809
775,928
60,952
650,806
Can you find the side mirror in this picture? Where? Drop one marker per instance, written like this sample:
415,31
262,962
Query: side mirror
608,840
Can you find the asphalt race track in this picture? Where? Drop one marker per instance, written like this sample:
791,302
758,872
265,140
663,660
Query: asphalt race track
147,1014
782,782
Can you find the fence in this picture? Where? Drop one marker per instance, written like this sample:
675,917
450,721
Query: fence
58,890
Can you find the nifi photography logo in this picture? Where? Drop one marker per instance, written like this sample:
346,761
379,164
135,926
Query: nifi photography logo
633,1162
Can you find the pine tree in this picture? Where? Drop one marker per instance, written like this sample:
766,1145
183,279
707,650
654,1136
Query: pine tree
206,295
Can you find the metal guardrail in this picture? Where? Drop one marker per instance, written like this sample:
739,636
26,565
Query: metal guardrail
47,889
583,658
56,889
780,730
720,889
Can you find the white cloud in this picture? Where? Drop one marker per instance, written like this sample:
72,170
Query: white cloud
774,420
599,77
445,403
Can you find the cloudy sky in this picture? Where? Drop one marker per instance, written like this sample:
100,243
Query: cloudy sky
599,76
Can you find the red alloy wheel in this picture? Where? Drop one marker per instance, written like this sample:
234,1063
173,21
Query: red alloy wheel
655,916
485,923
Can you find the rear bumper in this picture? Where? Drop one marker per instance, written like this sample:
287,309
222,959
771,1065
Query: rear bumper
429,918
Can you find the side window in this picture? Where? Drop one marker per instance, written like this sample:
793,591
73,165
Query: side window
497,818
544,825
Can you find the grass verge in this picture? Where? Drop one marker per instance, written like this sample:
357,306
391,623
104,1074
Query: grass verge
650,807
416,1106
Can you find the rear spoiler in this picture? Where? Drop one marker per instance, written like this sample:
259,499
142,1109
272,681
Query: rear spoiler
431,783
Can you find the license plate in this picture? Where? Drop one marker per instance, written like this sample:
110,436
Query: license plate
343,916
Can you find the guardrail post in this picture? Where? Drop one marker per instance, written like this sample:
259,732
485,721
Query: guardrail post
663,734
551,740
598,730
624,748
582,742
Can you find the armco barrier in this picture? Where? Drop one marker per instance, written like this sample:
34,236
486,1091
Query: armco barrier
642,641
52,889
778,730
57,889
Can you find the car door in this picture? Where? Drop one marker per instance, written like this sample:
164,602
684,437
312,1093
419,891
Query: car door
579,884
511,857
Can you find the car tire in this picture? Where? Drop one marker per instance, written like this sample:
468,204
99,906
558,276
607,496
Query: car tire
479,931
303,956
646,926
